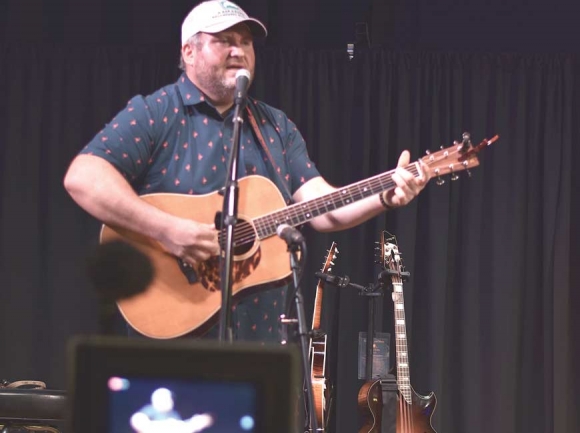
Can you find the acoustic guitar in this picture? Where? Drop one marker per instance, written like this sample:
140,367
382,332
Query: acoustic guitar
182,299
320,386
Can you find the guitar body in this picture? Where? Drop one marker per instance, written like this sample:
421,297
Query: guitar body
172,306
318,359
319,393
370,403
411,418
416,418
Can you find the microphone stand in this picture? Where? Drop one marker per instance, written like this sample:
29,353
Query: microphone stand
228,222
303,331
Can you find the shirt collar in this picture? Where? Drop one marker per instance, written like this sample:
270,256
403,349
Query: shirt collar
190,94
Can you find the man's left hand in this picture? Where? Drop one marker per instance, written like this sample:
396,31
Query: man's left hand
408,186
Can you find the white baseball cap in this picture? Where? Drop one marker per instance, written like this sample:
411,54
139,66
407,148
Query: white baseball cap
216,15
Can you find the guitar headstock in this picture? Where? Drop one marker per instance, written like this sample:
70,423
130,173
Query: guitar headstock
326,269
390,257
458,157
331,254
386,240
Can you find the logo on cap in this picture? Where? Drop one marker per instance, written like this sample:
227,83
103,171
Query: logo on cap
225,4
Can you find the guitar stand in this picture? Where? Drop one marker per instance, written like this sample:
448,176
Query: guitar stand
303,333
373,292
389,387
390,392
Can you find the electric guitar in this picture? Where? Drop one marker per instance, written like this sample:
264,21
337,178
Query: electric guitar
320,386
182,299
414,411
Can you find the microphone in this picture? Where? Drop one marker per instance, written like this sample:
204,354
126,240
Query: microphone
118,271
289,234
242,83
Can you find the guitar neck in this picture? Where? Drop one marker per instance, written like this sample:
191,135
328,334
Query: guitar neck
402,352
453,159
316,318
303,212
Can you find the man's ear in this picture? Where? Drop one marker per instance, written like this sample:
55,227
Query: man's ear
188,54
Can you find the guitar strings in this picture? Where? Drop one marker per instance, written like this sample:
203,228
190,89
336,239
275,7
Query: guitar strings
267,224
406,416
247,232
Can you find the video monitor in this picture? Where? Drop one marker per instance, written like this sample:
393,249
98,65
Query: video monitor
120,385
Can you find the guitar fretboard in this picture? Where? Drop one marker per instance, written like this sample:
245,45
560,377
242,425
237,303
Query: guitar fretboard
403,374
303,212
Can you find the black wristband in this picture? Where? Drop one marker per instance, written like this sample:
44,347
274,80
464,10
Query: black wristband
384,203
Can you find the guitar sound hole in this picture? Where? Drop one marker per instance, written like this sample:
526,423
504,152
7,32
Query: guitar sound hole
244,237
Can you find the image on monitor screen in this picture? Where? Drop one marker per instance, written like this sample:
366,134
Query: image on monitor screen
147,405
120,385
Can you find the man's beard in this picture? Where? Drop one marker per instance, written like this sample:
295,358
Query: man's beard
215,83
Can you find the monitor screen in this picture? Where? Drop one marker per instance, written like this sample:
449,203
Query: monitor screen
120,385
143,405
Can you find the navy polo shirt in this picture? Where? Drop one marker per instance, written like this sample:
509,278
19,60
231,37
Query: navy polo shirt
175,141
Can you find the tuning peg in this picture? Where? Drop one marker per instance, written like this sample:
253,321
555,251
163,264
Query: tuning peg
466,142
465,164
439,180
454,176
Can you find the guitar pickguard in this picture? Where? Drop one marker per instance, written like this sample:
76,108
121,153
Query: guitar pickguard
209,271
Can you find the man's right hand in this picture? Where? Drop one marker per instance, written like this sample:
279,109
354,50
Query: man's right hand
191,241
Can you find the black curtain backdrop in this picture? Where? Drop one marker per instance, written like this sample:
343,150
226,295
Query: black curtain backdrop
529,26
491,304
